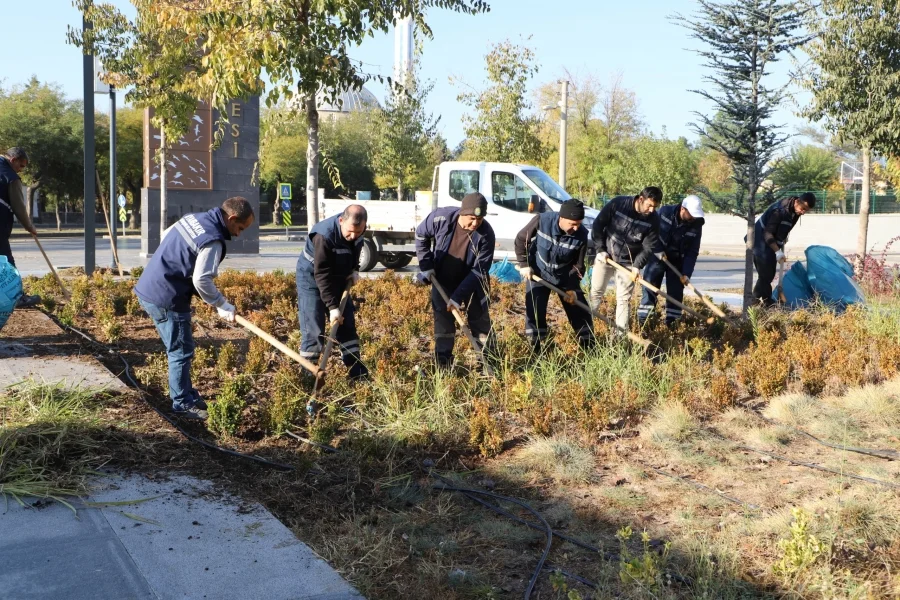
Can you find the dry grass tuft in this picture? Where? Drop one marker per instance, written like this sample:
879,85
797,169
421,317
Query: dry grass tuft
791,409
671,423
559,458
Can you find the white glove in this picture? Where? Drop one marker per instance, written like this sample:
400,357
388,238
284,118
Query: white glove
601,257
423,277
525,272
334,314
451,304
227,312
780,257
354,278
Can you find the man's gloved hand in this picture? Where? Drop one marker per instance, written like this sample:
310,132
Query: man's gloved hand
30,229
602,257
353,279
451,304
635,273
685,280
660,256
423,277
334,316
569,297
227,312
525,272
780,256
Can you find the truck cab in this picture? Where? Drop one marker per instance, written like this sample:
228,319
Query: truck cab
515,194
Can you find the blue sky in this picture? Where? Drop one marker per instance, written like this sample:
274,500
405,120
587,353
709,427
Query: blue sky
636,38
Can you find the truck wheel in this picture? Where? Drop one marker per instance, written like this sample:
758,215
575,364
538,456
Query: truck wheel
395,260
368,256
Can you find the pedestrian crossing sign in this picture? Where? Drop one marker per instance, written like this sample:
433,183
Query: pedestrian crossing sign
284,191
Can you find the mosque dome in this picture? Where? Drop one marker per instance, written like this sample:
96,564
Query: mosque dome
348,101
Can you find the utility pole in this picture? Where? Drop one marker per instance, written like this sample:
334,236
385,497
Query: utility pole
89,157
563,125
112,174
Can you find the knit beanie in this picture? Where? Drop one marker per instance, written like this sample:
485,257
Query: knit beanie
572,209
474,204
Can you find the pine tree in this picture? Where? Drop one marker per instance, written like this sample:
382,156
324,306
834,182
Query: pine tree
743,38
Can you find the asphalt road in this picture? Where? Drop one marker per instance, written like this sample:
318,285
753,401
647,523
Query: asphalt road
712,272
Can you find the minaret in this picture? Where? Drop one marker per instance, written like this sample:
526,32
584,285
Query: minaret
403,49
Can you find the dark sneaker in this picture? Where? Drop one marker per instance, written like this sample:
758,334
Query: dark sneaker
200,403
27,301
358,373
194,413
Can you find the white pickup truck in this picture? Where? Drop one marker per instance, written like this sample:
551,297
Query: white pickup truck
515,194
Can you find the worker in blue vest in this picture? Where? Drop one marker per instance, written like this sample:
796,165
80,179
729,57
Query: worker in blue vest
329,261
455,247
12,203
769,236
553,246
185,265
680,230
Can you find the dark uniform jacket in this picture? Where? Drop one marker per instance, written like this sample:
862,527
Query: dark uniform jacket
680,240
774,225
330,259
555,256
626,235
433,237
167,281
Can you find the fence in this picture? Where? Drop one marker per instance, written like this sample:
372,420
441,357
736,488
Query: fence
827,202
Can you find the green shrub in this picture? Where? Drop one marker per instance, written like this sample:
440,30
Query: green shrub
225,413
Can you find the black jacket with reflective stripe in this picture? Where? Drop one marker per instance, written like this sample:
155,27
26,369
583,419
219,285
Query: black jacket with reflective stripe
626,235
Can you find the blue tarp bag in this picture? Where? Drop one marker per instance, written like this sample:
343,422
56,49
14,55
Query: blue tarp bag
797,291
831,276
10,289
505,272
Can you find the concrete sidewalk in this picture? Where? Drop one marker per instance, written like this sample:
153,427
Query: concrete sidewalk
188,541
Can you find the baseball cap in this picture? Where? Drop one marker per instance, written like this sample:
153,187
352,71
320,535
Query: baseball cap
694,206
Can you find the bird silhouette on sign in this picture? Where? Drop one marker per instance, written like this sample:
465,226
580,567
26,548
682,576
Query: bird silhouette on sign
154,177
186,157
182,142
192,168
197,131
192,181
198,119
177,183
157,137
202,167
197,140
203,180
178,175
171,164
175,157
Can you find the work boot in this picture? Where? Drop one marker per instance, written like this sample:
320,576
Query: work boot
26,301
194,413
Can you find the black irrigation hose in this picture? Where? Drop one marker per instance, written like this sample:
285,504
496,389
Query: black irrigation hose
551,567
172,422
700,486
548,531
887,454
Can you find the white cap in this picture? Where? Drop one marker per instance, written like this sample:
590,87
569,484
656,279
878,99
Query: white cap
694,206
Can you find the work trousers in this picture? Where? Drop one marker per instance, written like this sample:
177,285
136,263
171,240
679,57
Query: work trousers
600,278
654,273
478,319
312,312
536,299
6,227
765,274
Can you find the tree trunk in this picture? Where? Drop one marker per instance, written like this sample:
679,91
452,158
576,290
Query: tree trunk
312,163
400,190
861,236
58,223
29,199
163,206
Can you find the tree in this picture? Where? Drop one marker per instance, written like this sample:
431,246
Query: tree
667,164
619,112
37,117
807,168
713,171
403,134
856,82
501,128
155,58
742,39
303,46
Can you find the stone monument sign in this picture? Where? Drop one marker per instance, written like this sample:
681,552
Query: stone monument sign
198,176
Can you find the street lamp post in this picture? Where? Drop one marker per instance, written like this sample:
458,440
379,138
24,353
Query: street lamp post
563,106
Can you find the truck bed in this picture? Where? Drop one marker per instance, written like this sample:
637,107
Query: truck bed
385,215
